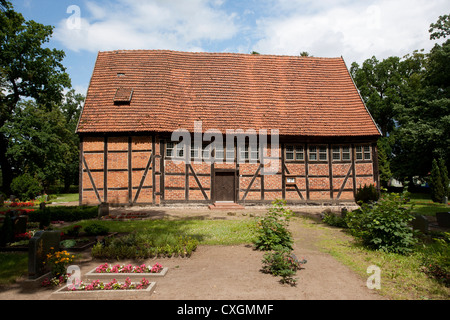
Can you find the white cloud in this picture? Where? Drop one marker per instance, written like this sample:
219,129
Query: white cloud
130,24
355,30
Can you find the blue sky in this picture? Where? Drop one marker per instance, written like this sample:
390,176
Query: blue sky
356,30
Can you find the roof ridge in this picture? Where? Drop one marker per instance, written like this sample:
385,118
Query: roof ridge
217,53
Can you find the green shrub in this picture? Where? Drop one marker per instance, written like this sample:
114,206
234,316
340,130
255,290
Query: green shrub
281,262
272,230
142,245
26,187
436,259
385,225
96,229
334,220
366,194
66,213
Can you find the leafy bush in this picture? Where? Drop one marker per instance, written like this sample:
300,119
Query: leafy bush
385,225
26,187
282,263
366,194
272,230
96,229
436,259
66,213
142,246
439,181
334,220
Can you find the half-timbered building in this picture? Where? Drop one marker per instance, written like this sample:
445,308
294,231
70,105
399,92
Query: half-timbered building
324,148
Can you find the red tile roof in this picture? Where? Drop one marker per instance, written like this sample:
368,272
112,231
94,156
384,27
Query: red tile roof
305,96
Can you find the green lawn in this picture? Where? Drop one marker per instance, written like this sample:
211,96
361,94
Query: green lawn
65,197
12,266
424,206
209,232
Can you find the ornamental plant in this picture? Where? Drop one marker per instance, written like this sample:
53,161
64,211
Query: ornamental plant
272,230
112,285
58,262
283,263
384,225
105,268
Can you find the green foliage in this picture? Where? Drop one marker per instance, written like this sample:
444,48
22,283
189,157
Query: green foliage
440,29
96,229
66,213
334,220
384,163
142,245
384,226
26,187
272,230
366,194
436,185
445,178
281,262
30,70
409,99
436,259
69,243
41,142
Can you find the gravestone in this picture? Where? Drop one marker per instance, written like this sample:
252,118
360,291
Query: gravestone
443,219
20,224
420,223
103,209
40,245
2,200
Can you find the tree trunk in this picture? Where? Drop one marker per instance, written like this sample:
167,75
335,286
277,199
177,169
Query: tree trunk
7,174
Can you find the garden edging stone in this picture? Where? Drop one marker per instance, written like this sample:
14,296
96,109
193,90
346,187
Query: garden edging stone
65,294
92,275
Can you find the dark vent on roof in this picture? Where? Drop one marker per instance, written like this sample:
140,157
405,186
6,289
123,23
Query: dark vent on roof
123,95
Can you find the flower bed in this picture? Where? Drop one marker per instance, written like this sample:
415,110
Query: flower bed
105,268
111,289
121,271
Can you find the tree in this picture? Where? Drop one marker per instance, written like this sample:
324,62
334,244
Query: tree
71,109
444,177
440,29
380,84
436,186
384,166
40,142
27,70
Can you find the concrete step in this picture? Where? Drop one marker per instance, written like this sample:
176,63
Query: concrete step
226,206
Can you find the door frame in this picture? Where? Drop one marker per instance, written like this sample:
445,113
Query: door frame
236,175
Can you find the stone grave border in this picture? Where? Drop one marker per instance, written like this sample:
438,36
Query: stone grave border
135,277
92,275
100,294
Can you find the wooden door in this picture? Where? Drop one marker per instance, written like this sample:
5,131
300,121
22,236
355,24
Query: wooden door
224,186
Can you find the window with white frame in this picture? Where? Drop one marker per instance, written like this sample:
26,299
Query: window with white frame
363,152
294,152
318,153
249,152
346,153
173,150
341,153
221,152
195,151
170,149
